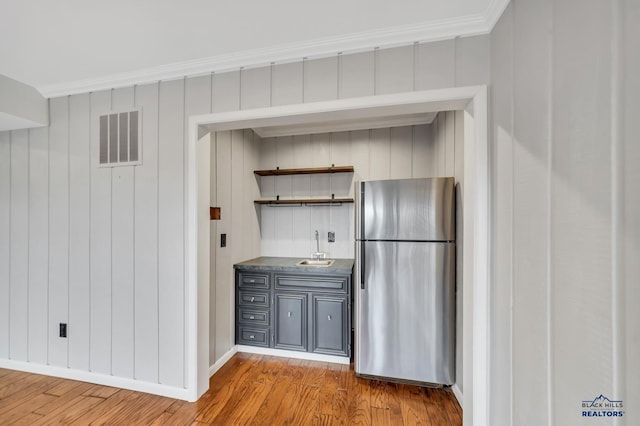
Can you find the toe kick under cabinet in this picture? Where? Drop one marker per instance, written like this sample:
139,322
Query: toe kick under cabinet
294,311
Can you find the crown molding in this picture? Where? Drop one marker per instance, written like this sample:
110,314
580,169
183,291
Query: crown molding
494,12
463,26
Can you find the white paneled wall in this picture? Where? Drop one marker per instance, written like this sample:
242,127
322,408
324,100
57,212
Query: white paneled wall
234,157
103,249
448,160
565,210
390,153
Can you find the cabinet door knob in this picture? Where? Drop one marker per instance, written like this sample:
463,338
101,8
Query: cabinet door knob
253,298
329,317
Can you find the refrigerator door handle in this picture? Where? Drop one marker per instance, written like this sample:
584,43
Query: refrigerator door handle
362,268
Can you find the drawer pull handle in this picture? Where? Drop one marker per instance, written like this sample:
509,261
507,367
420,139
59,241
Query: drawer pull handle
329,317
253,298
251,336
252,317
252,281
289,314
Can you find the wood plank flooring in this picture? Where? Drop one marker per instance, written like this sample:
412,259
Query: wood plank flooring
248,390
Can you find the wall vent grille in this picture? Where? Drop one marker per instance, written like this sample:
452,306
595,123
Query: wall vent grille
120,139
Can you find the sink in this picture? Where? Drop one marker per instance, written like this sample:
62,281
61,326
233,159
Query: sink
316,262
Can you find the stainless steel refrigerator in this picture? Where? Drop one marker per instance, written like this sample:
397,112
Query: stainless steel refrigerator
405,280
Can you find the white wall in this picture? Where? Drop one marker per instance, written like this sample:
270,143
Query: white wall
566,212
234,157
448,130
388,153
103,249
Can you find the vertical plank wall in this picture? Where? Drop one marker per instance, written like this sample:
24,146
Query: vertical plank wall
102,249
565,210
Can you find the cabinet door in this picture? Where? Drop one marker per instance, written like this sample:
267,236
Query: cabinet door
291,321
330,325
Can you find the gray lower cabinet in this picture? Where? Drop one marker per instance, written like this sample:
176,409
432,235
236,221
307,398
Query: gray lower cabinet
299,312
291,321
330,332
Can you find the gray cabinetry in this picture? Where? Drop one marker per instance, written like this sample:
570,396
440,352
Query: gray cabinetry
330,332
291,321
308,311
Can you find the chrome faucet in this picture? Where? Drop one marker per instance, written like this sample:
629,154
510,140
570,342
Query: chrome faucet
318,254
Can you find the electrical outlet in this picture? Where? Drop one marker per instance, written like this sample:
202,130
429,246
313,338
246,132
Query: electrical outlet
63,329
332,237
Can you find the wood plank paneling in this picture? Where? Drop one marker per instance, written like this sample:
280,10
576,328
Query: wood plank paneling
236,237
225,92
58,229
122,254
171,233
357,75
286,84
79,230
380,154
197,101
19,237
38,244
627,291
580,202
394,70
100,321
321,79
5,243
255,90
224,280
146,313
400,160
422,160
435,65
472,60
530,209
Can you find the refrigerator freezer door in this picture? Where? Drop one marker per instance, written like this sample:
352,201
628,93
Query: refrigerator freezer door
408,209
406,312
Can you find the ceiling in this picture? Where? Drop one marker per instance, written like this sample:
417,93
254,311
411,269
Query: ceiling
71,46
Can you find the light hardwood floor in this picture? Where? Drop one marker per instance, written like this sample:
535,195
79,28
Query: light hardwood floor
249,389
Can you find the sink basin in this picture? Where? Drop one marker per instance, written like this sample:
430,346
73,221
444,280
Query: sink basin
316,262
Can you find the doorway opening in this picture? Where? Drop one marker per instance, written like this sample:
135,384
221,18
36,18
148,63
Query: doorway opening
472,100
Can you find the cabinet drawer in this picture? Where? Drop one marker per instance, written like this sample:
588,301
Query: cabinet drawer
253,298
253,280
253,336
252,316
315,283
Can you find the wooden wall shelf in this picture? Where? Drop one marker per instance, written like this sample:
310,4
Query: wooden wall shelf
304,171
309,201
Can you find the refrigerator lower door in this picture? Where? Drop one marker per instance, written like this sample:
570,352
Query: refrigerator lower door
406,311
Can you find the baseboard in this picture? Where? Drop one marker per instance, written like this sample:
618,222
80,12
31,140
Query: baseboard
294,354
97,378
458,394
222,361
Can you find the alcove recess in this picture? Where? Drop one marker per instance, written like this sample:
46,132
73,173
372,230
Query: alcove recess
293,202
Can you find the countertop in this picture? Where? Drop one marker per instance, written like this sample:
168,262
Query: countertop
288,264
